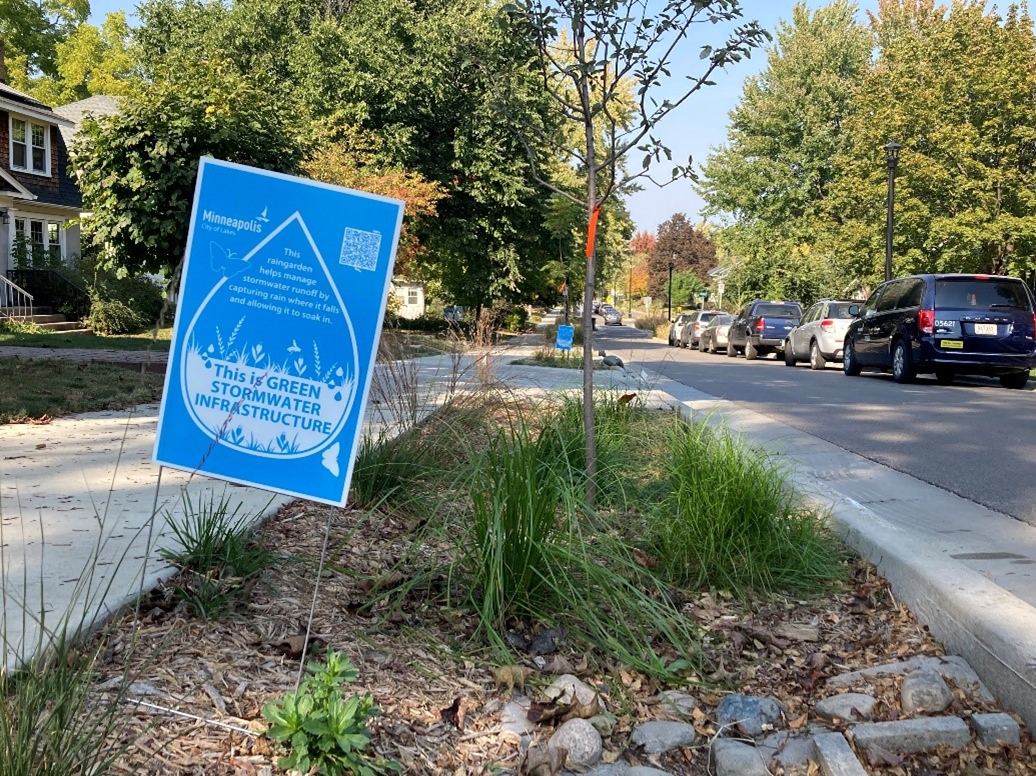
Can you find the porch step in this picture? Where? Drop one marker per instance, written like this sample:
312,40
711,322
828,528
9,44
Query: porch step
67,327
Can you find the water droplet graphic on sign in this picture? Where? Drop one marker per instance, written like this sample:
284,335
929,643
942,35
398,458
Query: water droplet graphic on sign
265,369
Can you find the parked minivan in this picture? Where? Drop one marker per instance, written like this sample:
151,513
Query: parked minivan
946,325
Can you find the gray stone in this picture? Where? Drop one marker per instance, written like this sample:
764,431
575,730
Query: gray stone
659,736
850,706
567,688
907,736
513,720
792,751
835,757
750,715
996,729
604,723
581,741
623,769
678,704
736,758
924,692
951,667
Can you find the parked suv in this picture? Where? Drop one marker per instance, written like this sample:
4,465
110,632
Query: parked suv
691,334
761,327
946,325
820,333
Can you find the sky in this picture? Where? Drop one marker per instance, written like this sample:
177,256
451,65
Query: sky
697,126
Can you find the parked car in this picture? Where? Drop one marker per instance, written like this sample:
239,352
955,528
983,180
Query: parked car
761,327
819,336
714,336
691,334
676,327
611,315
946,325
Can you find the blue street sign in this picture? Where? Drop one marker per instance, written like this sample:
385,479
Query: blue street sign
279,314
564,338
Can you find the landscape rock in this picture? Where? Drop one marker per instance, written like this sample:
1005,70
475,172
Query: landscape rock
996,729
678,704
850,706
582,742
624,769
659,736
567,688
750,715
924,692
514,722
908,736
736,758
836,757
792,751
953,668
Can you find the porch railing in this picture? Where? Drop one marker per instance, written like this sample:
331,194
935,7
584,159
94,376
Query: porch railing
54,290
15,301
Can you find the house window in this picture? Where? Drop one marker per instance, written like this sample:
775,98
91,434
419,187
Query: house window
411,296
30,146
37,242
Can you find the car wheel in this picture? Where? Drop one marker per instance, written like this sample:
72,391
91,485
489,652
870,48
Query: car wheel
816,358
712,347
731,350
944,376
670,341
750,352
789,356
850,366
1015,381
902,364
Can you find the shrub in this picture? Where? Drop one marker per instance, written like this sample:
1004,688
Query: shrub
113,318
140,294
514,319
323,731
651,323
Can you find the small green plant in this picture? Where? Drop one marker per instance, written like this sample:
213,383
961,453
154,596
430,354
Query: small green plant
113,317
386,470
219,558
16,326
323,731
729,521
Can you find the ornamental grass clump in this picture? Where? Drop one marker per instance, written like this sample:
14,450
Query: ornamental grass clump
728,520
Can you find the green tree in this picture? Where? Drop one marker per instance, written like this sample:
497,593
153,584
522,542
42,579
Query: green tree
137,169
31,31
592,56
954,86
769,182
93,60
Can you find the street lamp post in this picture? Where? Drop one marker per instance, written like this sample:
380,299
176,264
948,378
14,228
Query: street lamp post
629,294
892,158
669,300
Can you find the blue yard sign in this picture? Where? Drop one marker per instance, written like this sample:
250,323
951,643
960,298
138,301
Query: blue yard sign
565,337
281,300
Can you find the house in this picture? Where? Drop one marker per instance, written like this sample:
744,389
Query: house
409,299
38,199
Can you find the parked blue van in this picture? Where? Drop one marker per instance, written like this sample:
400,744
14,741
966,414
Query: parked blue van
945,325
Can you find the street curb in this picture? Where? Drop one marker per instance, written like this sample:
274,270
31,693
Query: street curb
971,616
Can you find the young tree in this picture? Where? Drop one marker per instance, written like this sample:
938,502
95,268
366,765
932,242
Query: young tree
601,62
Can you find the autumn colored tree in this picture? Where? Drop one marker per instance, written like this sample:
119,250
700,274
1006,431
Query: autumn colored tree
687,248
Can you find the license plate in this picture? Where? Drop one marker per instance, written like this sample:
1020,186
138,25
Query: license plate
985,328
952,344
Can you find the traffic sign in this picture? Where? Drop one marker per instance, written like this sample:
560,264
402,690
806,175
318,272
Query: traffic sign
281,300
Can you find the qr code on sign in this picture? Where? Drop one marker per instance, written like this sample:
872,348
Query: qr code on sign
360,249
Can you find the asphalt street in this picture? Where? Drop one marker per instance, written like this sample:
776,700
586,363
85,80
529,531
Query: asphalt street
974,438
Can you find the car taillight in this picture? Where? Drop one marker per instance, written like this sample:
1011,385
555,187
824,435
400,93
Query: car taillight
697,327
760,325
827,325
926,321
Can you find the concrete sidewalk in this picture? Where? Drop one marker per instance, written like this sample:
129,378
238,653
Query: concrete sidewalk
86,482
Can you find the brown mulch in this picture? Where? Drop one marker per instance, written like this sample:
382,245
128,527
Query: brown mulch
435,684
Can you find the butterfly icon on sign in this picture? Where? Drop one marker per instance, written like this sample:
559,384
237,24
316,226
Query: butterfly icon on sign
225,261
330,459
